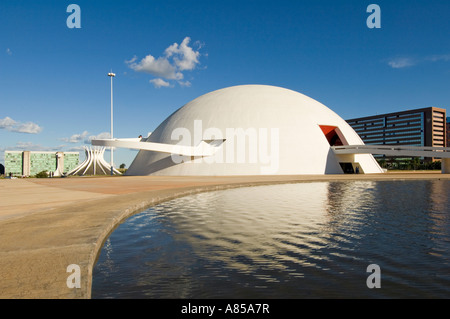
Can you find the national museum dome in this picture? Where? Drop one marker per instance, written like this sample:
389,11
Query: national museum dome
254,130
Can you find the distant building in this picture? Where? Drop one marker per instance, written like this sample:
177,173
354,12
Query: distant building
419,127
447,127
28,163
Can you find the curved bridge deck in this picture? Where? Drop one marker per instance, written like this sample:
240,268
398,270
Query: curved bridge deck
392,150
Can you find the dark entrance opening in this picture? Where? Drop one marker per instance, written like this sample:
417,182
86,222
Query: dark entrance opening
347,168
335,137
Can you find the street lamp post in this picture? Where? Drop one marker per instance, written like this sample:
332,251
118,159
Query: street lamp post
111,75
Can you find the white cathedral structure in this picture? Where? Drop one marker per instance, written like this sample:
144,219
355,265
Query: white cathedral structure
94,163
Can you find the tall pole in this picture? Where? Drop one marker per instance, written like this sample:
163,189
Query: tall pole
111,75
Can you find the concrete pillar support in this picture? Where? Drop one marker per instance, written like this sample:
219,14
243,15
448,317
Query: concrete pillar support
445,162
59,164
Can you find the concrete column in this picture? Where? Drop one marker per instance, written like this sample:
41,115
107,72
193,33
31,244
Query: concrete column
59,163
26,163
445,164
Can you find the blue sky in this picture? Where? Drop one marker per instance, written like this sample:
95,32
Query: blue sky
55,92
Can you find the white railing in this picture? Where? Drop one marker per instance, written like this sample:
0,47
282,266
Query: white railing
392,150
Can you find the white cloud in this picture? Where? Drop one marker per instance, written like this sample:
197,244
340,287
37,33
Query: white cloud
132,60
8,51
185,83
76,138
30,128
101,136
7,122
29,146
159,83
79,148
399,63
13,126
404,62
177,58
441,57
85,138
185,57
160,67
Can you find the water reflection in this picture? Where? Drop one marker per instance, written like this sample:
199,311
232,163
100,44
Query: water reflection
306,240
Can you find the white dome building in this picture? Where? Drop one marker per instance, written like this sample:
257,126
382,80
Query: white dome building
253,130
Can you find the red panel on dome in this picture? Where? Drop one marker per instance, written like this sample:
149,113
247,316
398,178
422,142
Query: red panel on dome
331,135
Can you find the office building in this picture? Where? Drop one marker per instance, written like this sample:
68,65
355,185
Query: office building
447,128
29,163
419,127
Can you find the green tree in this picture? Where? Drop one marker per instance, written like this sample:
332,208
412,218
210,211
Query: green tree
43,174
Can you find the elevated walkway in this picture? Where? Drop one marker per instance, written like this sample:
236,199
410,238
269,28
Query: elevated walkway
205,148
392,150
346,153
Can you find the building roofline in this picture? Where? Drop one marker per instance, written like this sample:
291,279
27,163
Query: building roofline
432,108
42,152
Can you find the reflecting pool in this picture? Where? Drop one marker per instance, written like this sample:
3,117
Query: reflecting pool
304,240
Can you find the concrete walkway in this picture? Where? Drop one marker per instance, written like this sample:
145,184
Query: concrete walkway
48,224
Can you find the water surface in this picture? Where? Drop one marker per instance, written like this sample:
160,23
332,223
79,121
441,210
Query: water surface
305,240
